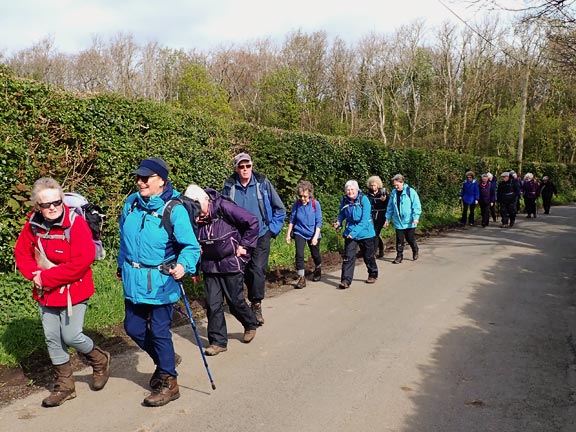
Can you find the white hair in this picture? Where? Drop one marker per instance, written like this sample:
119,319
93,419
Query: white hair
196,193
528,176
351,184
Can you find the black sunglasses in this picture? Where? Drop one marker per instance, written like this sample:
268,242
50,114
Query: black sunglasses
50,204
144,178
247,166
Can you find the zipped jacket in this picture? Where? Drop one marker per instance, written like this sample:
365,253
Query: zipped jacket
470,192
410,208
226,227
71,273
145,248
306,218
267,205
530,189
356,213
508,191
486,195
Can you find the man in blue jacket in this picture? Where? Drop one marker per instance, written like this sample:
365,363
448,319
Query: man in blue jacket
404,210
254,192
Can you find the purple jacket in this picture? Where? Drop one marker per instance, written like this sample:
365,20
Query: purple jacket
227,227
486,195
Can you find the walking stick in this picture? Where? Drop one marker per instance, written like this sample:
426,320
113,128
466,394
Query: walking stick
198,341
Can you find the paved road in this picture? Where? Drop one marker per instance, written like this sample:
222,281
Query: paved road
475,336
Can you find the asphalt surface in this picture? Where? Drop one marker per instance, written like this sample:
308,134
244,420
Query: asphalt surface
477,335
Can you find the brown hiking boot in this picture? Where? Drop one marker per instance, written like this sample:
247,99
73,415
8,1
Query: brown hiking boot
317,274
300,283
257,309
155,381
249,335
100,362
64,388
213,350
166,392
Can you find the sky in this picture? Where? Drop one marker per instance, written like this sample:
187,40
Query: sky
208,24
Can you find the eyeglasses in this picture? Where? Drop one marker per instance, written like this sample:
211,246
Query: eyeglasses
50,204
247,166
145,178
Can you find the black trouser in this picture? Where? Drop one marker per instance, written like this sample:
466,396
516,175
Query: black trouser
493,212
229,286
508,212
546,203
255,273
314,251
349,261
410,235
485,211
379,218
530,205
465,211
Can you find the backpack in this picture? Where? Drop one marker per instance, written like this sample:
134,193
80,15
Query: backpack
91,213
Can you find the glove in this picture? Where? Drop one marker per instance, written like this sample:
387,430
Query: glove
119,273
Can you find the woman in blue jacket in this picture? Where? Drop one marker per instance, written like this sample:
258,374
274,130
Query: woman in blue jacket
355,210
305,224
469,195
150,264
404,211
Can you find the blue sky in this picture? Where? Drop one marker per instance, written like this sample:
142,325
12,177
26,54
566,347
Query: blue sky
207,24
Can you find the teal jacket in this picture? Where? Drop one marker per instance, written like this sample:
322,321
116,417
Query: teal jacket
410,208
357,214
144,245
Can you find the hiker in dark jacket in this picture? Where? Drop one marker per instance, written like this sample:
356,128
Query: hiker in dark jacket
305,224
507,196
254,192
546,190
493,189
530,191
378,196
226,233
469,197
486,201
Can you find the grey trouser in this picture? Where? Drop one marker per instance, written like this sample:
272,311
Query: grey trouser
62,331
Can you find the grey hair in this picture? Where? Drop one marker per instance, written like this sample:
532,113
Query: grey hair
351,184
305,186
196,193
374,179
528,176
42,184
398,178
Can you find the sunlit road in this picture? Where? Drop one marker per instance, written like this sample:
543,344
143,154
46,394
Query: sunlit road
474,336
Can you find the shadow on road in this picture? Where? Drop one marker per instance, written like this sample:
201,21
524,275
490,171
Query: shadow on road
512,361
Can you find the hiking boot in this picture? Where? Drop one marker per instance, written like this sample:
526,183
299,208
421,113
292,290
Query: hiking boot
257,309
380,254
300,283
213,350
371,280
100,362
344,285
166,392
398,259
504,226
155,381
414,256
249,335
64,388
317,275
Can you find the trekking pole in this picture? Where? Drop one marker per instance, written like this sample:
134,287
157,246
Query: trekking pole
198,341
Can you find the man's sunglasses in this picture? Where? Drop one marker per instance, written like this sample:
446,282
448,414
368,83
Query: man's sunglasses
50,204
247,166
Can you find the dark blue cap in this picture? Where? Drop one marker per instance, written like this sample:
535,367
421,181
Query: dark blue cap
152,166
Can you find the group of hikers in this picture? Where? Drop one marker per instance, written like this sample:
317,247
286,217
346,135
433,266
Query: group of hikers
506,194
227,237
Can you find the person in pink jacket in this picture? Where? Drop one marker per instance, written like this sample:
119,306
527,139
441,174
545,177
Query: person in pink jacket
55,251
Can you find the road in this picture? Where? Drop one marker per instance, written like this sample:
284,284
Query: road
477,335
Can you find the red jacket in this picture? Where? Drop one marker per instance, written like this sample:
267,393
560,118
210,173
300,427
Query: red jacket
72,258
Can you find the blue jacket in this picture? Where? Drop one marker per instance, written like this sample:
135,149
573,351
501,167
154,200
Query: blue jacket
410,208
144,243
470,192
357,214
265,204
306,218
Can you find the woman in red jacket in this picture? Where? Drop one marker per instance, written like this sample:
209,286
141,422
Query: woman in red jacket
55,252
